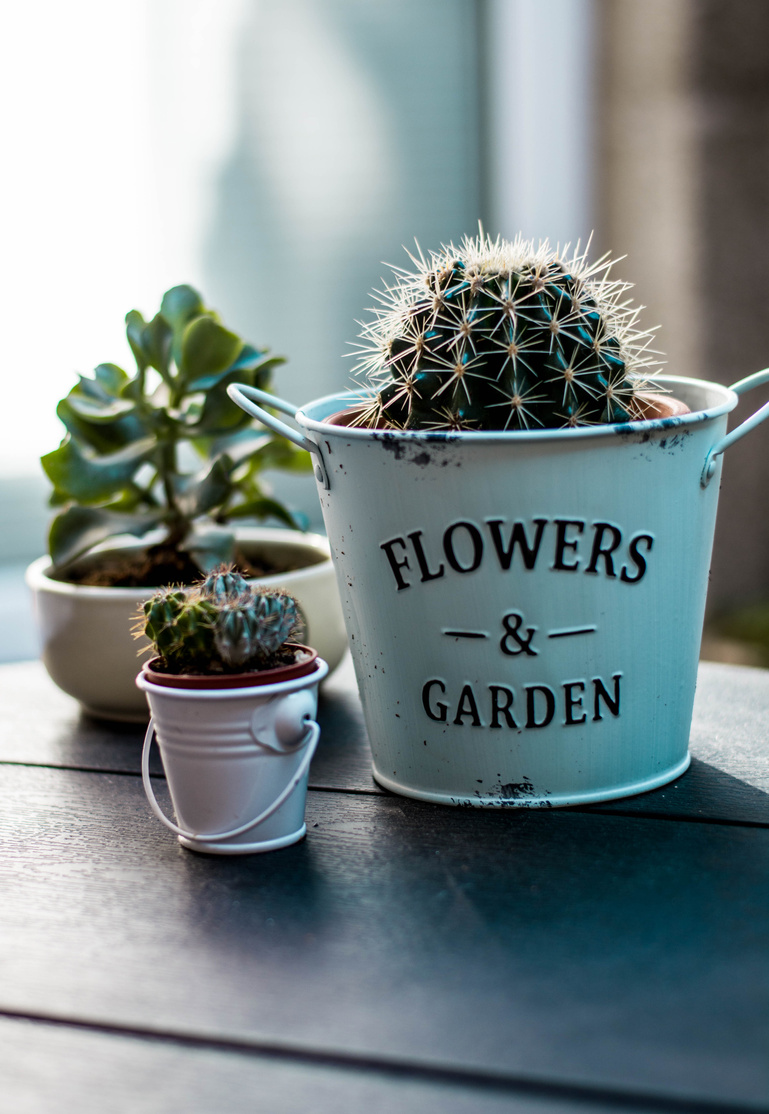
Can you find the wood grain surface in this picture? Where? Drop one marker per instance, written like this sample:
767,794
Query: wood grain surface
727,781
405,956
621,952
53,1067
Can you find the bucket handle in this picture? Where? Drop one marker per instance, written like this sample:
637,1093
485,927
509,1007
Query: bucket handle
247,398
755,380
218,837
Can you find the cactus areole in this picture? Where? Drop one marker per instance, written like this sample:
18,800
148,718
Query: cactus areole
503,335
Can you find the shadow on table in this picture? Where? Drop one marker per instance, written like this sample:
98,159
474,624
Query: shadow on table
704,792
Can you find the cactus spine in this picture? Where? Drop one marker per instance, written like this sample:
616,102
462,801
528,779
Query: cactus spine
500,335
221,625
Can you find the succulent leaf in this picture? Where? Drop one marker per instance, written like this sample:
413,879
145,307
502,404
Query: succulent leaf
207,348
94,479
209,545
126,437
78,529
206,490
156,341
179,305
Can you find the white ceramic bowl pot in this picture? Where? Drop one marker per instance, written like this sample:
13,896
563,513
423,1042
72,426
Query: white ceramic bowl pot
85,632
524,609
236,759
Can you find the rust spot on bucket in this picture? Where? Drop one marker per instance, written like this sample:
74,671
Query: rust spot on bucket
515,789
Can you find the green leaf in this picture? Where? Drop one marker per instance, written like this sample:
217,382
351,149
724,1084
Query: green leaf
207,348
103,436
134,331
262,376
110,379
209,489
134,389
208,382
179,305
156,344
131,500
99,410
107,384
279,453
220,415
92,480
78,529
263,507
209,546
150,341
249,359
238,446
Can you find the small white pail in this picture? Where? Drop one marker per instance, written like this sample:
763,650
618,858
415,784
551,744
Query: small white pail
524,609
236,761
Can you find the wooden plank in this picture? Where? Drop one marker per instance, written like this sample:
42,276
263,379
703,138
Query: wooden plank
583,949
728,780
48,1067
40,725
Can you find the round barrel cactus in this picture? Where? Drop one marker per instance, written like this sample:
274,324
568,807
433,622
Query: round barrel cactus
501,335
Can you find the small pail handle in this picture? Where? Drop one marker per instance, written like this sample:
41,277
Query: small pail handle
247,399
219,837
756,380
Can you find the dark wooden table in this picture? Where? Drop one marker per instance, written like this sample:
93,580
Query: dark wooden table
405,957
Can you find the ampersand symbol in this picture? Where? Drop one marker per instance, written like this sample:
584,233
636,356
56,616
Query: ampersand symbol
512,623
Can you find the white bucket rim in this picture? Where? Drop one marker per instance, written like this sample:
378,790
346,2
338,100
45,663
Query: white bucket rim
344,399
276,689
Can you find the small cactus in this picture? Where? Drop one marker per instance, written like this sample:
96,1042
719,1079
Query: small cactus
254,627
224,583
221,625
179,626
500,335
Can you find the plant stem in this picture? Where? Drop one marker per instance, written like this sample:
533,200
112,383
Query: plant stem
178,525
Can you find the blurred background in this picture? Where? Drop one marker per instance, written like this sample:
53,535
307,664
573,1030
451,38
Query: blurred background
276,155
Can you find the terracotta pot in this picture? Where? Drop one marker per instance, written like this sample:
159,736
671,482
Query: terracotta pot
303,664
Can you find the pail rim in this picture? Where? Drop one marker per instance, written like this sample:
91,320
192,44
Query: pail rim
265,691
331,404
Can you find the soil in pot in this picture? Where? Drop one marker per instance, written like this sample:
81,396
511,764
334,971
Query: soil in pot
654,406
154,567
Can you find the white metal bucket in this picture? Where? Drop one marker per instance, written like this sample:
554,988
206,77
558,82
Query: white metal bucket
524,609
236,761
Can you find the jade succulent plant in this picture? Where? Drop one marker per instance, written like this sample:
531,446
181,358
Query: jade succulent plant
503,335
221,625
164,447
